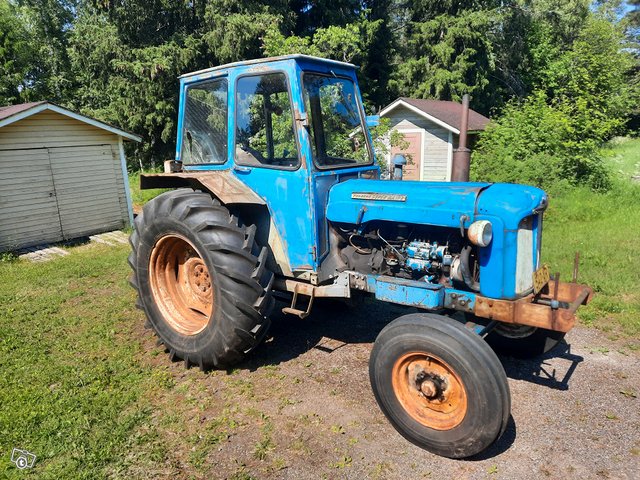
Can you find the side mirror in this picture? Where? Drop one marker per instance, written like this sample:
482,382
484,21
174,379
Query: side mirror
398,161
372,120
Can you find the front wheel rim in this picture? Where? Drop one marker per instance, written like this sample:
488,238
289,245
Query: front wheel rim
429,390
181,284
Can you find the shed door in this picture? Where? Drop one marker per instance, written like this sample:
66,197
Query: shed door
28,208
411,171
86,188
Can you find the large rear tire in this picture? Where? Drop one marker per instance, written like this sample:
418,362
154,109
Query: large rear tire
440,385
201,279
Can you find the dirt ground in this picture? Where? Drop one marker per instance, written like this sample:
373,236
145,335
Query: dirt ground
301,408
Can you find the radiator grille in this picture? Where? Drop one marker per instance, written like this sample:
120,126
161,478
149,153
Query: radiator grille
526,258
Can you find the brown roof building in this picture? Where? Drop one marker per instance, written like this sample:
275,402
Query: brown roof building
63,176
431,127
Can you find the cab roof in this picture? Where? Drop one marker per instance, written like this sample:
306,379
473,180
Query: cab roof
268,60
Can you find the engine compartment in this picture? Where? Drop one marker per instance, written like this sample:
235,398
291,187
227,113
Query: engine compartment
437,255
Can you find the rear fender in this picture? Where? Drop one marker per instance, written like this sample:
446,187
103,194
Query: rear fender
236,196
220,183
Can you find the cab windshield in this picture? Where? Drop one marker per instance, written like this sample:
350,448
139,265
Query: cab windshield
335,121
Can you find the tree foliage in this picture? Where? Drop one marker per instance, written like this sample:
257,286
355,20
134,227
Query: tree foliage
364,39
563,70
449,49
582,100
16,54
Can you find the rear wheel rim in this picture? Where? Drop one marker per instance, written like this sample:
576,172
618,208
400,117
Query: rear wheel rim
181,285
429,390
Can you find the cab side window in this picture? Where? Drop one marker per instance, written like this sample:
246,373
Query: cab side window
265,135
204,134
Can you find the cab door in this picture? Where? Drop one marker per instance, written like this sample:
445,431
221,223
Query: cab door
338,137
266,157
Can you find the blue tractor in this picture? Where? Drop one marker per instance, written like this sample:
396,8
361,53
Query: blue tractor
276,191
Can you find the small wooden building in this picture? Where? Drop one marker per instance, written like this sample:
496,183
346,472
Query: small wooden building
62,175
431,127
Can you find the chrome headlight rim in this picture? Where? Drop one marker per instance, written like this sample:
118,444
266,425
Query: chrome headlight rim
480,233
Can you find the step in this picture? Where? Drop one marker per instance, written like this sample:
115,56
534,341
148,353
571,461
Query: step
295,311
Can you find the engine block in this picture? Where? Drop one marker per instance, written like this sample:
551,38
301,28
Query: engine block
427,257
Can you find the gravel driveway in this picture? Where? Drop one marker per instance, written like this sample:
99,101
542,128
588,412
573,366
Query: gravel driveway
305,397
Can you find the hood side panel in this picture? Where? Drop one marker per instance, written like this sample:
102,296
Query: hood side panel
428,203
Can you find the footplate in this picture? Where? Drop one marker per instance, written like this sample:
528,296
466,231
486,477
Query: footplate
292,310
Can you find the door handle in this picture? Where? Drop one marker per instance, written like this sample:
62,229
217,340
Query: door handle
241,169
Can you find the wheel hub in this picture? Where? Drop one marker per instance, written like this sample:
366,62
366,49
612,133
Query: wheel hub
429,390
431,386
181,284
198,277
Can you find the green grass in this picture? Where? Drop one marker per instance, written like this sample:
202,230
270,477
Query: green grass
624,156
71,388
140,197
605,229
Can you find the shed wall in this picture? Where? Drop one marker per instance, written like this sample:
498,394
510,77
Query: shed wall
28,209
79,164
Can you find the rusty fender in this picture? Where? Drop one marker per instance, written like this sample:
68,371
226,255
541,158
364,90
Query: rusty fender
222,183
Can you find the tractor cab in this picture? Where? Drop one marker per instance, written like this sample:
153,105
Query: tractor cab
288,128
279,113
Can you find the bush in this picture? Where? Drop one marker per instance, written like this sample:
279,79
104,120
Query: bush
532,143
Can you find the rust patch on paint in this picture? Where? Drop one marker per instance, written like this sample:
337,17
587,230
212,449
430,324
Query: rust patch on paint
220,183
538,311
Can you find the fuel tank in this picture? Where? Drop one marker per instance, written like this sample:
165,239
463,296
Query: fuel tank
359,201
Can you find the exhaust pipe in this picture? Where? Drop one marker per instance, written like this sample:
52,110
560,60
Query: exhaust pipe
462,155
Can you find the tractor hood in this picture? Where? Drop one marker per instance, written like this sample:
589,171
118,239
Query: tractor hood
431,203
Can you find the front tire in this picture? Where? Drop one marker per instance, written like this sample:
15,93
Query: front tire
201,279
440,385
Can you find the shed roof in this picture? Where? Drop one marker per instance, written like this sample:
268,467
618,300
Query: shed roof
14,113
445,113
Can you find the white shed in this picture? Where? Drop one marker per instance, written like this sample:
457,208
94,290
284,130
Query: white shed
62,175
431,128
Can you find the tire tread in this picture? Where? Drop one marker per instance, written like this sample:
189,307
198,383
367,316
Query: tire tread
245,289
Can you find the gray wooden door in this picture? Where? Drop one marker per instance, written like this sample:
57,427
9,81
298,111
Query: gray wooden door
86,189
28,206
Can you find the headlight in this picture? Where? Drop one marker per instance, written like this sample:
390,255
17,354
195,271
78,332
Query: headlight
480,233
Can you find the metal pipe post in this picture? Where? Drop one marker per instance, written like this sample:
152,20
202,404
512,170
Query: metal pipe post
462,155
